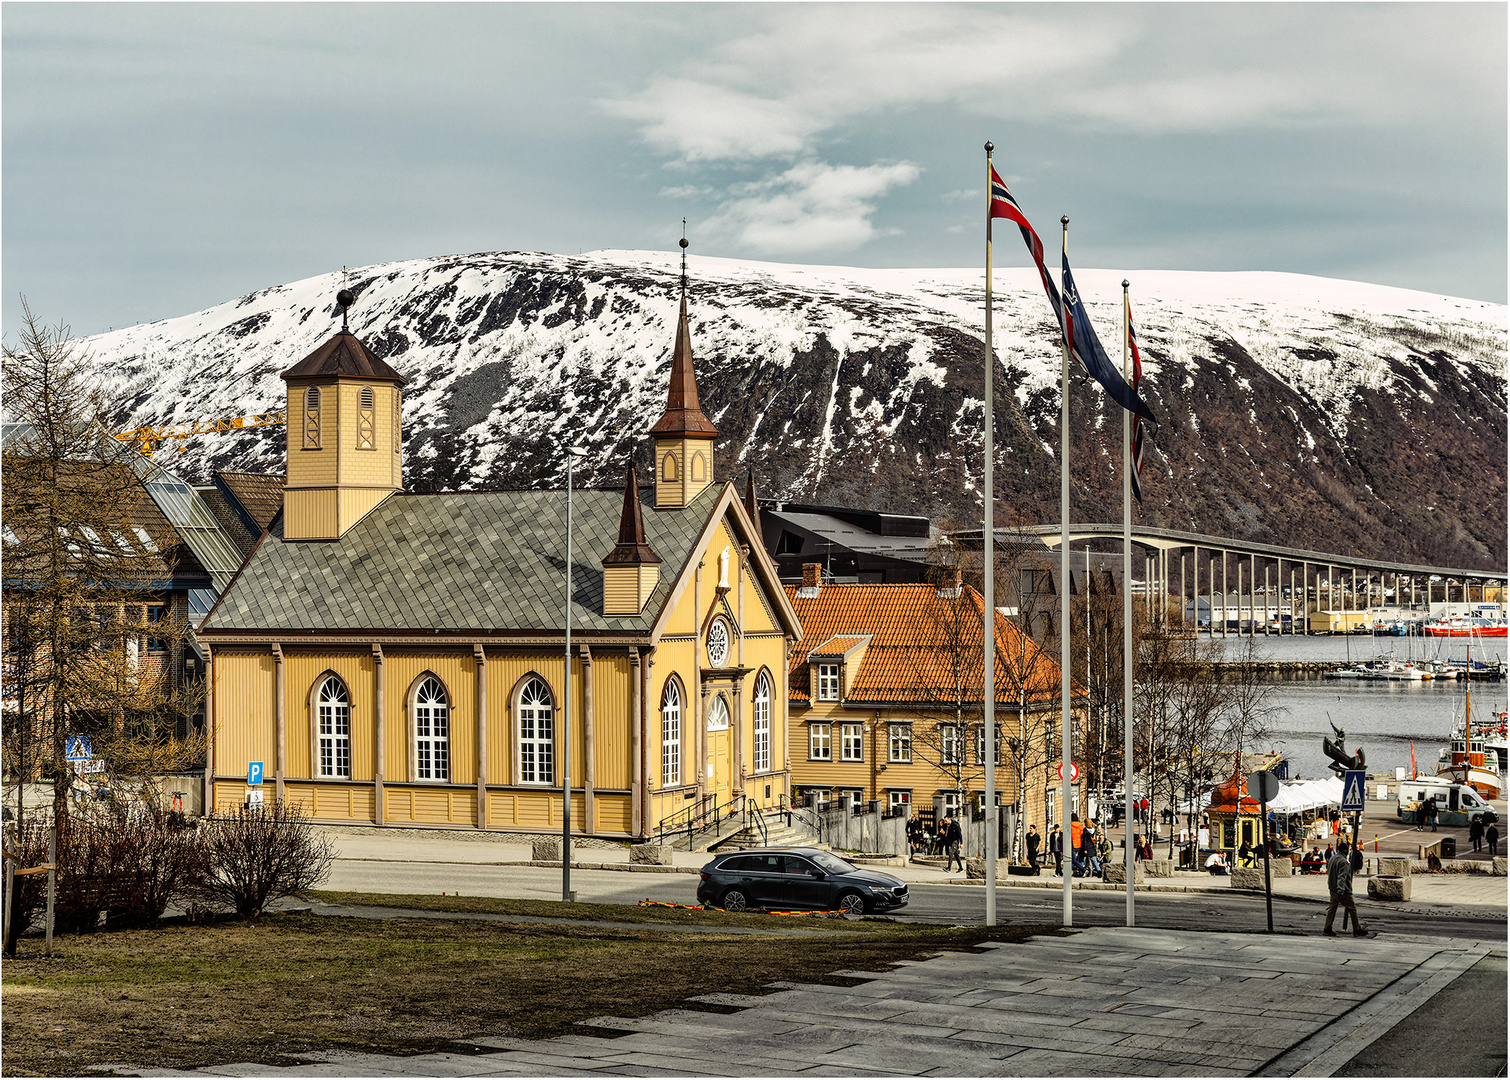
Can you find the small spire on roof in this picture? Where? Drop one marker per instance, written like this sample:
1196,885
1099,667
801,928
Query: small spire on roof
631,548
752,506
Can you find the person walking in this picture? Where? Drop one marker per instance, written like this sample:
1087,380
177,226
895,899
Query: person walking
1034,842
1339,883
1492,837
1431,814
1056,849
953,838
1476,833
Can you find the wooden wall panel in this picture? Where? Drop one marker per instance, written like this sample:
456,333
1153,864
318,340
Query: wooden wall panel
457,671
356,670
245,714
611,734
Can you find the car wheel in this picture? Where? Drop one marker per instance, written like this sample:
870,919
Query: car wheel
851,903
735,900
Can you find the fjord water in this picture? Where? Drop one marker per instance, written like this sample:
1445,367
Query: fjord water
1383,717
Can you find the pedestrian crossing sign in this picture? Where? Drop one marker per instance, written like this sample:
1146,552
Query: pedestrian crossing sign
78,748
1352,789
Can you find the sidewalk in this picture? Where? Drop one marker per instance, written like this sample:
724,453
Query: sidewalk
1099,1002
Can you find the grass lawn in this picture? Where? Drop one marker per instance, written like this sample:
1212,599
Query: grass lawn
213,993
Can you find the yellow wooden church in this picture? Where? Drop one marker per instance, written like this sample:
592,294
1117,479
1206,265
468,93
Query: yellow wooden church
398,658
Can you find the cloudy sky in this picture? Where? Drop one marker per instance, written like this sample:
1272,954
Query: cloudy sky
161,158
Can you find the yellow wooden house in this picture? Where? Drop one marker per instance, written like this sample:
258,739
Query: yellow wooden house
398,658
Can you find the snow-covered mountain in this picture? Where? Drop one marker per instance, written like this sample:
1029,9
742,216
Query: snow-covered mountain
1299,410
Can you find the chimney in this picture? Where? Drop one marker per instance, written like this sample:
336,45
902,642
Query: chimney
956,584
812,580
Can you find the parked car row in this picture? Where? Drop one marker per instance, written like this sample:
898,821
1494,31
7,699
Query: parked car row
781,878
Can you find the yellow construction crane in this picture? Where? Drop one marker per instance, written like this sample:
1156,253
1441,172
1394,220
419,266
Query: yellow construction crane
148,439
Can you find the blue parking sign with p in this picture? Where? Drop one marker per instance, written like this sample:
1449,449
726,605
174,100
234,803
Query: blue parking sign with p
254,773
1352,789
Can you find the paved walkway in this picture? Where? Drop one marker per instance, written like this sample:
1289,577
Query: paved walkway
1099,1002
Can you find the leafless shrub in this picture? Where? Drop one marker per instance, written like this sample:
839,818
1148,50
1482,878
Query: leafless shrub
255,855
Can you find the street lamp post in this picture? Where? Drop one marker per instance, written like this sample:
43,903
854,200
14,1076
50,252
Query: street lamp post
572,453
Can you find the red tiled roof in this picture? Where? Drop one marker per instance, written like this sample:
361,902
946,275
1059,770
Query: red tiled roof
837,646
924,648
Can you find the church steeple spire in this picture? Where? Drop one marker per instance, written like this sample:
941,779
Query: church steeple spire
631,570
683,435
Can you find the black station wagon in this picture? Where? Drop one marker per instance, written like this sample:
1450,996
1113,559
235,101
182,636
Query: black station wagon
796,878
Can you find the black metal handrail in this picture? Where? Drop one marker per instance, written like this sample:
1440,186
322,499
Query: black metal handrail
697,820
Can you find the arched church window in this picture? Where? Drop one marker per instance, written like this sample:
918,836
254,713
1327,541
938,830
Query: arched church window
312,418
333,714
432,731
537,732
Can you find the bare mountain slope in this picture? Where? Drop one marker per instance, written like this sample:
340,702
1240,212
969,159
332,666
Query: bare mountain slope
1306,411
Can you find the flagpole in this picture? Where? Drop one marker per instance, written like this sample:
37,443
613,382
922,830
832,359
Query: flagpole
1065,763
1127,641
988,689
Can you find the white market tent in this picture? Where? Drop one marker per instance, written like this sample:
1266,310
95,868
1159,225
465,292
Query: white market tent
1295,796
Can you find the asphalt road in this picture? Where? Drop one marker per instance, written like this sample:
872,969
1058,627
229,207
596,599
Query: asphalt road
955,904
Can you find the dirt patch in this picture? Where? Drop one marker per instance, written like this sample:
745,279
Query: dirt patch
208,994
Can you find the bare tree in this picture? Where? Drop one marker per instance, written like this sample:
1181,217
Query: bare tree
78,582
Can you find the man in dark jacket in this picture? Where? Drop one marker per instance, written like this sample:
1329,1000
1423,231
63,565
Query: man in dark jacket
1476,833
953,838
1056,849
1034,843
1339,882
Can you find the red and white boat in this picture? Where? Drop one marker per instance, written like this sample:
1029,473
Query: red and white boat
1466,626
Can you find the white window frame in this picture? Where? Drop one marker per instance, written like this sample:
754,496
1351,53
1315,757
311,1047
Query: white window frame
333,724
980,744
671,734
718,713
535,712
899,797
762,723
828,682
851,742
431,712
949,800
820,742
950,751
899,744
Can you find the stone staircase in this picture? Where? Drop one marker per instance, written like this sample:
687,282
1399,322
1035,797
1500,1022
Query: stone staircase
778,834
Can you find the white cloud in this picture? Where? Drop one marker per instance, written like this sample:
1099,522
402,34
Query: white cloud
813,206
684,191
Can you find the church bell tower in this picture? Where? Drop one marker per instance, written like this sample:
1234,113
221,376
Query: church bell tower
345,449
683,436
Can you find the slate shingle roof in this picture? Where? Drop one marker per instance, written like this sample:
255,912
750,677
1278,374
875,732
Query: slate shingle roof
260,494
456,561
916,636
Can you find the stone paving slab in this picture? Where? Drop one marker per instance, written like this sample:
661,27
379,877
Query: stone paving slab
1105,1002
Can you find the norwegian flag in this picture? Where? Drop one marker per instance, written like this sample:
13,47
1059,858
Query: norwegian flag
1137,421
1073,320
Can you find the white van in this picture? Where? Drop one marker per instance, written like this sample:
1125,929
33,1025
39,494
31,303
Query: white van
1450,798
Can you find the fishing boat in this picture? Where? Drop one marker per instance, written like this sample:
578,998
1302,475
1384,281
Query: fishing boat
1471,625
1466,760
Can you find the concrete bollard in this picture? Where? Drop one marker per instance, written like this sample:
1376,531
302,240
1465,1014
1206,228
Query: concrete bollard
650,854
1156,867
1389,888
1393,867
1499,865
546,851
1116,873
1248,877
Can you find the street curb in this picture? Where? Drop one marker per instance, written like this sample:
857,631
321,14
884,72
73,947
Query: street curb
637,868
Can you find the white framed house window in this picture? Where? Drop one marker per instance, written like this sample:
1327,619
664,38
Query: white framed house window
895,798
718,643
951,802
818,745
762,723
828,682
899,743
671,735
333,713
949,744
718,714
432,731
537,733
851,742
980,744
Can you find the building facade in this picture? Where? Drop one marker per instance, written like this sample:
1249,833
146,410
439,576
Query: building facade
886,700
399,659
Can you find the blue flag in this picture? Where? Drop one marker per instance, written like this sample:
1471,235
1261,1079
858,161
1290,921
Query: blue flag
1087,349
